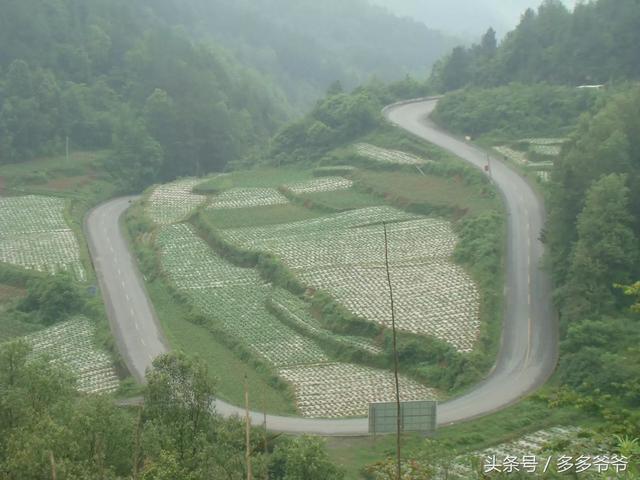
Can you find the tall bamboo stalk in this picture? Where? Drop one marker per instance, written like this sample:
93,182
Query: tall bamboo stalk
395,352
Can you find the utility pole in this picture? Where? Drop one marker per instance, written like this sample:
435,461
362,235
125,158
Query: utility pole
247,429
264,411
395,353
136,445
52,461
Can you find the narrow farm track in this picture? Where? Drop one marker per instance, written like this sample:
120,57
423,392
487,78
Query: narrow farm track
529,344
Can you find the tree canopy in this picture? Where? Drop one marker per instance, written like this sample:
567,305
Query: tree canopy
594,44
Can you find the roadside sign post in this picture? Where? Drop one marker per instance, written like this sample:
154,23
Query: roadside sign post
415,416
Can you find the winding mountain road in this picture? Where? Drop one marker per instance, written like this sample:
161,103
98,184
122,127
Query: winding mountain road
529,343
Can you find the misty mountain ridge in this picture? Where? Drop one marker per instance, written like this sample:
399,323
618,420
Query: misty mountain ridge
465,18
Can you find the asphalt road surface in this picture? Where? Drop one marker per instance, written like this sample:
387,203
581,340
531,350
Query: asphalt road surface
528,351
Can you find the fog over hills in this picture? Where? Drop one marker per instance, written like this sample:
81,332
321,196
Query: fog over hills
466,18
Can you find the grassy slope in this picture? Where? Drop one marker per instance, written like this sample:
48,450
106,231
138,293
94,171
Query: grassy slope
263,178
224,365
259,216
404,189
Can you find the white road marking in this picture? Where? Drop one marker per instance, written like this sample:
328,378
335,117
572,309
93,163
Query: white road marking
136,325
144,344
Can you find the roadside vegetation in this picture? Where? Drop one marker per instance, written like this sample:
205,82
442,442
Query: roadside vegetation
48,430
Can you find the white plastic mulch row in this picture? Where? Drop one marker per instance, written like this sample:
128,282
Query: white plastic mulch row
248,197
345,390
174,201
548,150
323,184
236,298
343,254
34,235
545,141
385,155
71,345
297,311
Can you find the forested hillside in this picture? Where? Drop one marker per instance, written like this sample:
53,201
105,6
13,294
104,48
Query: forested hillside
593,238
469,18
597,43
307,45
154,81
105,74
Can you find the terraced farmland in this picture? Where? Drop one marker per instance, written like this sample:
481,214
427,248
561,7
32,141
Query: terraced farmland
322,184
544,141
339,389
236,298
384,155
174,201
547,150
343,254
34,235
248,197
70,344
297,313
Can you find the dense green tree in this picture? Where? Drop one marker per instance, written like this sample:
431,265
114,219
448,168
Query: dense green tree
178,404
606,252
54,298
514,111
593,44
45,425
303,458
137,157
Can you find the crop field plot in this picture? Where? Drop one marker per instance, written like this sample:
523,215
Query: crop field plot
248,197
515,156
323,184
34,235
531,444
233,296
547,150
174,201
534,444
345,390
543,175
237,297
384,155
544,141
343,254
434,298
297,312
70,344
